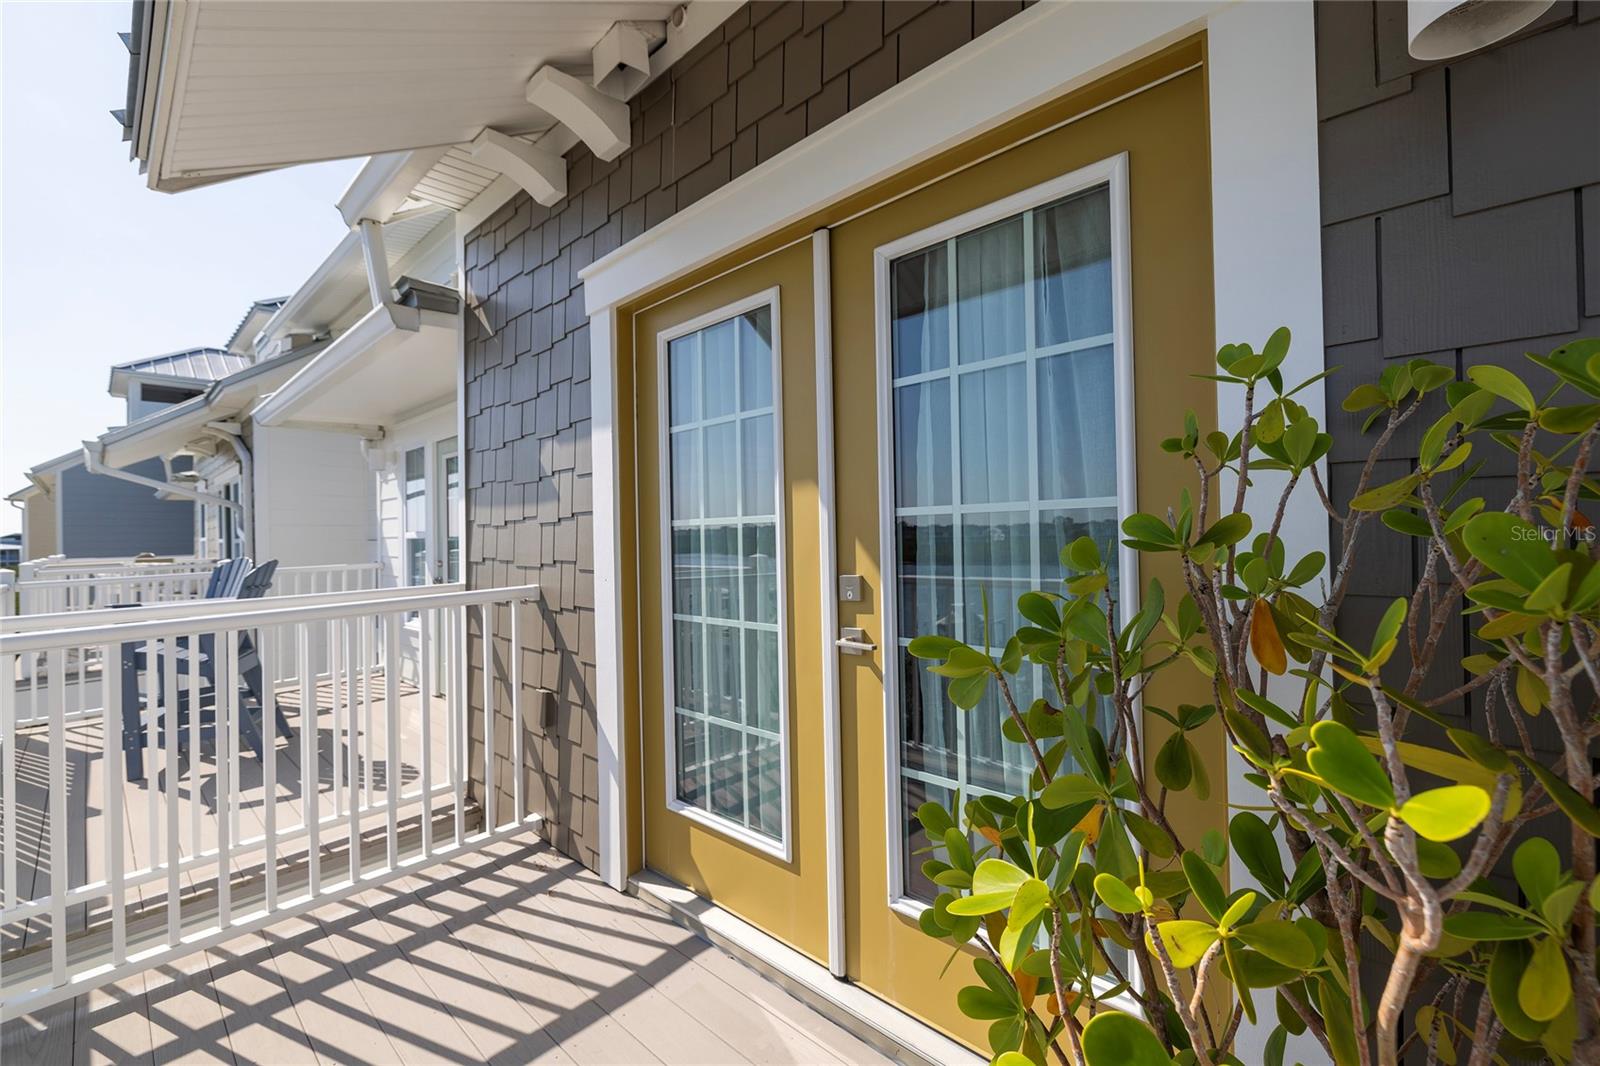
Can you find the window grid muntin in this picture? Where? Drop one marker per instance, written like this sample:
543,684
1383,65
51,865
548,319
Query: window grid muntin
1086,508
740,522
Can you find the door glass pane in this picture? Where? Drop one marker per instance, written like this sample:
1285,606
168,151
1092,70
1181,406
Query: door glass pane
1077,427
921,312
994,435
723,466
1002,456
452,517
990,320
1072,257
755,359
922,444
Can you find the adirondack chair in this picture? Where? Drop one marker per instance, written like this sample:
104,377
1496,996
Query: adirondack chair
231,579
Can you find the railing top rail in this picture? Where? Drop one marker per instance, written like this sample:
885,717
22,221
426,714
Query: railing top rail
360,602
328,567
203,610
36,583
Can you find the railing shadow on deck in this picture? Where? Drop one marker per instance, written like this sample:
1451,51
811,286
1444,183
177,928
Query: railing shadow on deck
329,992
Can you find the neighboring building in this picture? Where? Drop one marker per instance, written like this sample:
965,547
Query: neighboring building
10,551
69,510
790,292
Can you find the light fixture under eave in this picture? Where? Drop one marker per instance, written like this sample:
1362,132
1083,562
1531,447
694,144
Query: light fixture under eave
1444,29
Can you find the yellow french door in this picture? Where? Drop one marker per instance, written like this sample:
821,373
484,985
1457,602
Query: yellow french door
999,333
1002,319
726,461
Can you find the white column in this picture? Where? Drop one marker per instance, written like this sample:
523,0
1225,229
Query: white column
1267,261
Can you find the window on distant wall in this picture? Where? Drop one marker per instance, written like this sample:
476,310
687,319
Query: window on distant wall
725,661
414,500
1004,414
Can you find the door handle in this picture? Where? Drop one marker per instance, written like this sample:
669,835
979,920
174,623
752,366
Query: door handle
853,641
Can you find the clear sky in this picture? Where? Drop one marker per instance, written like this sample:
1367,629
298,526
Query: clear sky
95,268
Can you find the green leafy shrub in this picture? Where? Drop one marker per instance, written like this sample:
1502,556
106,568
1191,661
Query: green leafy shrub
1102,937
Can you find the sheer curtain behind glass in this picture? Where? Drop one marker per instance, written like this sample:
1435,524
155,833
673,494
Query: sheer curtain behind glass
1004,442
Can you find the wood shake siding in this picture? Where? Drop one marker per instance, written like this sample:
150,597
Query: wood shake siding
770,76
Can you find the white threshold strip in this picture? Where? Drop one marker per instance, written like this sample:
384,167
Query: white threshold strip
870,1019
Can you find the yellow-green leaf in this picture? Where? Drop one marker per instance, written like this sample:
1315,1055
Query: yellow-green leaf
1186,940
1115,1039
1448,813
1546,986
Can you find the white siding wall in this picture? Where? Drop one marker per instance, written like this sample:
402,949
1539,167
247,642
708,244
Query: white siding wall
39,527
425,431
314,499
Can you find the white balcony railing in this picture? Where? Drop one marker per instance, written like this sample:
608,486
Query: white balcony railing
80,585
211,795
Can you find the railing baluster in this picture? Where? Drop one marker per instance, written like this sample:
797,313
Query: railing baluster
368,651
486,614
352,745
458,717
310,756
516,705
425,711
170,768
111,753
337,690
13,666
226,681
147,741
269,754
57,805
195,846
391,714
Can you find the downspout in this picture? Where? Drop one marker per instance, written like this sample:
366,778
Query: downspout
379,287
233,433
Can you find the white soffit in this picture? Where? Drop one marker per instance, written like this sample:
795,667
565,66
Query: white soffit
255,85
375,374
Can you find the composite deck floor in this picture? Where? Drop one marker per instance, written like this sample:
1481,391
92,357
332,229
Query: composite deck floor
509,955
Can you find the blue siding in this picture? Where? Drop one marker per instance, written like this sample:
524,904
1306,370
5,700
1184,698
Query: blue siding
106,516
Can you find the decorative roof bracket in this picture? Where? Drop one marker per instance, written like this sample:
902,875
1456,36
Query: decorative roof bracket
600,121
541,173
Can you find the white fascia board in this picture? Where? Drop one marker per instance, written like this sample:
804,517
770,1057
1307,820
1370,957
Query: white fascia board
385,182
1032,58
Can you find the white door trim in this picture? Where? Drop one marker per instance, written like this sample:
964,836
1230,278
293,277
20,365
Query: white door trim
828,574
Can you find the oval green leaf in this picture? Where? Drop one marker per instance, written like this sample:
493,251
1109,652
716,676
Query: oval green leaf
1116,1039
1445,814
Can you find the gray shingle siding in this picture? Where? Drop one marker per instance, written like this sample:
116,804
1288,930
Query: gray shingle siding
771,75
106,516
1459,205
1454,223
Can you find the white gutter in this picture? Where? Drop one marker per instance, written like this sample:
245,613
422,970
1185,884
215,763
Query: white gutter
92,450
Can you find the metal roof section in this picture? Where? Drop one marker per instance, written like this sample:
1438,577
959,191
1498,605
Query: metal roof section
177,428
191,364
242,340
221,89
